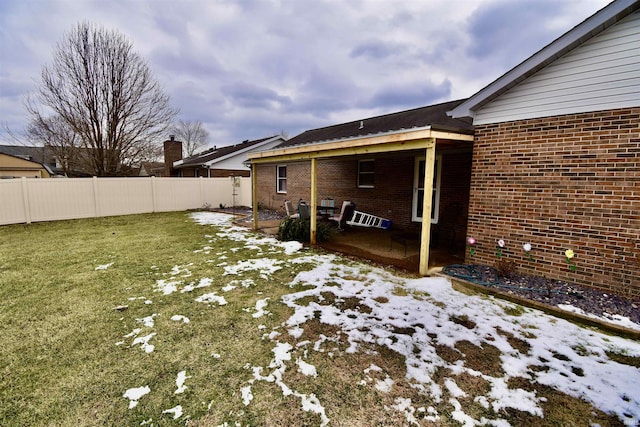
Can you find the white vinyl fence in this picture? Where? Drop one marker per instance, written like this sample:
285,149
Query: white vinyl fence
27,200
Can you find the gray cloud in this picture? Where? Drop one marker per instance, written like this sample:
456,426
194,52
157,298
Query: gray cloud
250,68
377,49
416,95
509,32
249,95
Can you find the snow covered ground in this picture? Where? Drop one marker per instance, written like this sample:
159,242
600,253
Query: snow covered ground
425,314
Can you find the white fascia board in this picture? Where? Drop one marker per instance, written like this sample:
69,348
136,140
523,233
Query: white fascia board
582,32
244,150
178,163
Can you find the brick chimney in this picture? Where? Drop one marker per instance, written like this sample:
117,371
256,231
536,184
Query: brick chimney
172,153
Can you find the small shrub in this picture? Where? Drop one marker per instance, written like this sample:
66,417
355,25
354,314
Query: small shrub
506,268
300,230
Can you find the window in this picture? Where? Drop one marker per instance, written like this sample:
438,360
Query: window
281,179
366,173
418,189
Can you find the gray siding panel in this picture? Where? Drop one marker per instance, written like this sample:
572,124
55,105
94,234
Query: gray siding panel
601,74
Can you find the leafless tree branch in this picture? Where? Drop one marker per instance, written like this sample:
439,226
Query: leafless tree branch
100,96
192,134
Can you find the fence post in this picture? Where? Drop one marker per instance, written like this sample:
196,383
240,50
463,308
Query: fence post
25,201
201,192
154,197
96,204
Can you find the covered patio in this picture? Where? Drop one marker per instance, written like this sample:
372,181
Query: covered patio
403,155
381,246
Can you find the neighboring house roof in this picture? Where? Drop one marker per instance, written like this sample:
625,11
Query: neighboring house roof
151,168
575,37
21,164
215,155
432,116
26,152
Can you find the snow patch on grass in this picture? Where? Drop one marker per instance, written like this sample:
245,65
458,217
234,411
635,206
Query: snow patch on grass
135,394
103,266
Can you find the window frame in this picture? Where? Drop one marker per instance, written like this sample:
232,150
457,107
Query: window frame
366,173
281,179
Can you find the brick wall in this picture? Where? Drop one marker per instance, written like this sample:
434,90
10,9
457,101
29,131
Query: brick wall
298,184
213,173
567,182
391,197
218,173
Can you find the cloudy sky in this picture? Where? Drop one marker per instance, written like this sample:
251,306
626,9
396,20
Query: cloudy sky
252,68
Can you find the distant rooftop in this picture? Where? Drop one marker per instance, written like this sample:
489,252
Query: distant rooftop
216,153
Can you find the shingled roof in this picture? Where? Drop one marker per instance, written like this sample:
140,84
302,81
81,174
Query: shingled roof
217,153
434,116
27,152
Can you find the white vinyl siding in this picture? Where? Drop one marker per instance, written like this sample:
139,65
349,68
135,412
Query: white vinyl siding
601,74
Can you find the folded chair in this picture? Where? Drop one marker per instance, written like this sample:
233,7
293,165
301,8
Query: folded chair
346,212
304,210
326,203
288,206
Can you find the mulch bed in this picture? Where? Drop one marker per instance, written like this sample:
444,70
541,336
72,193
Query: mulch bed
548,291
246,214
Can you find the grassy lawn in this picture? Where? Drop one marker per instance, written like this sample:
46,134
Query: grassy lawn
213,326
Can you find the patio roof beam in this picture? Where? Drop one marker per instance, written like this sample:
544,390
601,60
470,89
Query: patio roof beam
347,151
412,140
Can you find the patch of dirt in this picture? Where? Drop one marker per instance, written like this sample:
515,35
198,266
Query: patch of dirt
463,321
548,291
521,345
354,252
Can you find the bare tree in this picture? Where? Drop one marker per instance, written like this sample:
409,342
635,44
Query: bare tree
100,96
192,134
57,136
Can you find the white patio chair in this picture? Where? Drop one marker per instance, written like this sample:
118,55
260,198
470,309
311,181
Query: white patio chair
288,206
346,212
